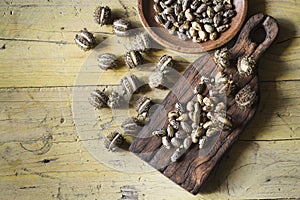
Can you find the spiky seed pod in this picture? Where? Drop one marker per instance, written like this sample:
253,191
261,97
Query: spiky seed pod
113,140
246,97
98,99
133,59
141,42
131,126
120,27
164,62
246,65
102,15
115,100
107,61
222,57
143,105
130,84
85,40
157,79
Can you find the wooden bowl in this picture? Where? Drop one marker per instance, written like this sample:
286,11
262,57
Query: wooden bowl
161,35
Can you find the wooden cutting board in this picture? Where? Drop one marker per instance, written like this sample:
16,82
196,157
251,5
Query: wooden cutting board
191,171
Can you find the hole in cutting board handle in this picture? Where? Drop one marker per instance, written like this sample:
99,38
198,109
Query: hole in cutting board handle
248,42
258,34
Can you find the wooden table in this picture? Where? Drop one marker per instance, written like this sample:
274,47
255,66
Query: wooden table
44,157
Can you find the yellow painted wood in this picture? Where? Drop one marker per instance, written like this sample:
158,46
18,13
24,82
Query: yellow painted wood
44,135
39,40
262,164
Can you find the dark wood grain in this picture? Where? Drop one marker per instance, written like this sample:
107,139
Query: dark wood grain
193,169
160,35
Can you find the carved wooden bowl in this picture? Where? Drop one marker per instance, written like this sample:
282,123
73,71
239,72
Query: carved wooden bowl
161,35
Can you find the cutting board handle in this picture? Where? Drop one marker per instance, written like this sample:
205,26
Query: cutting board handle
245,46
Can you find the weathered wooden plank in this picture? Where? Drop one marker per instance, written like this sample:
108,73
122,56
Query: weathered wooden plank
74,15
50,64
37,51
33,109
40,112
250,170
55,19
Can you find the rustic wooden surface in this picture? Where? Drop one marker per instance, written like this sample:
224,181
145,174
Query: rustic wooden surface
42,154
